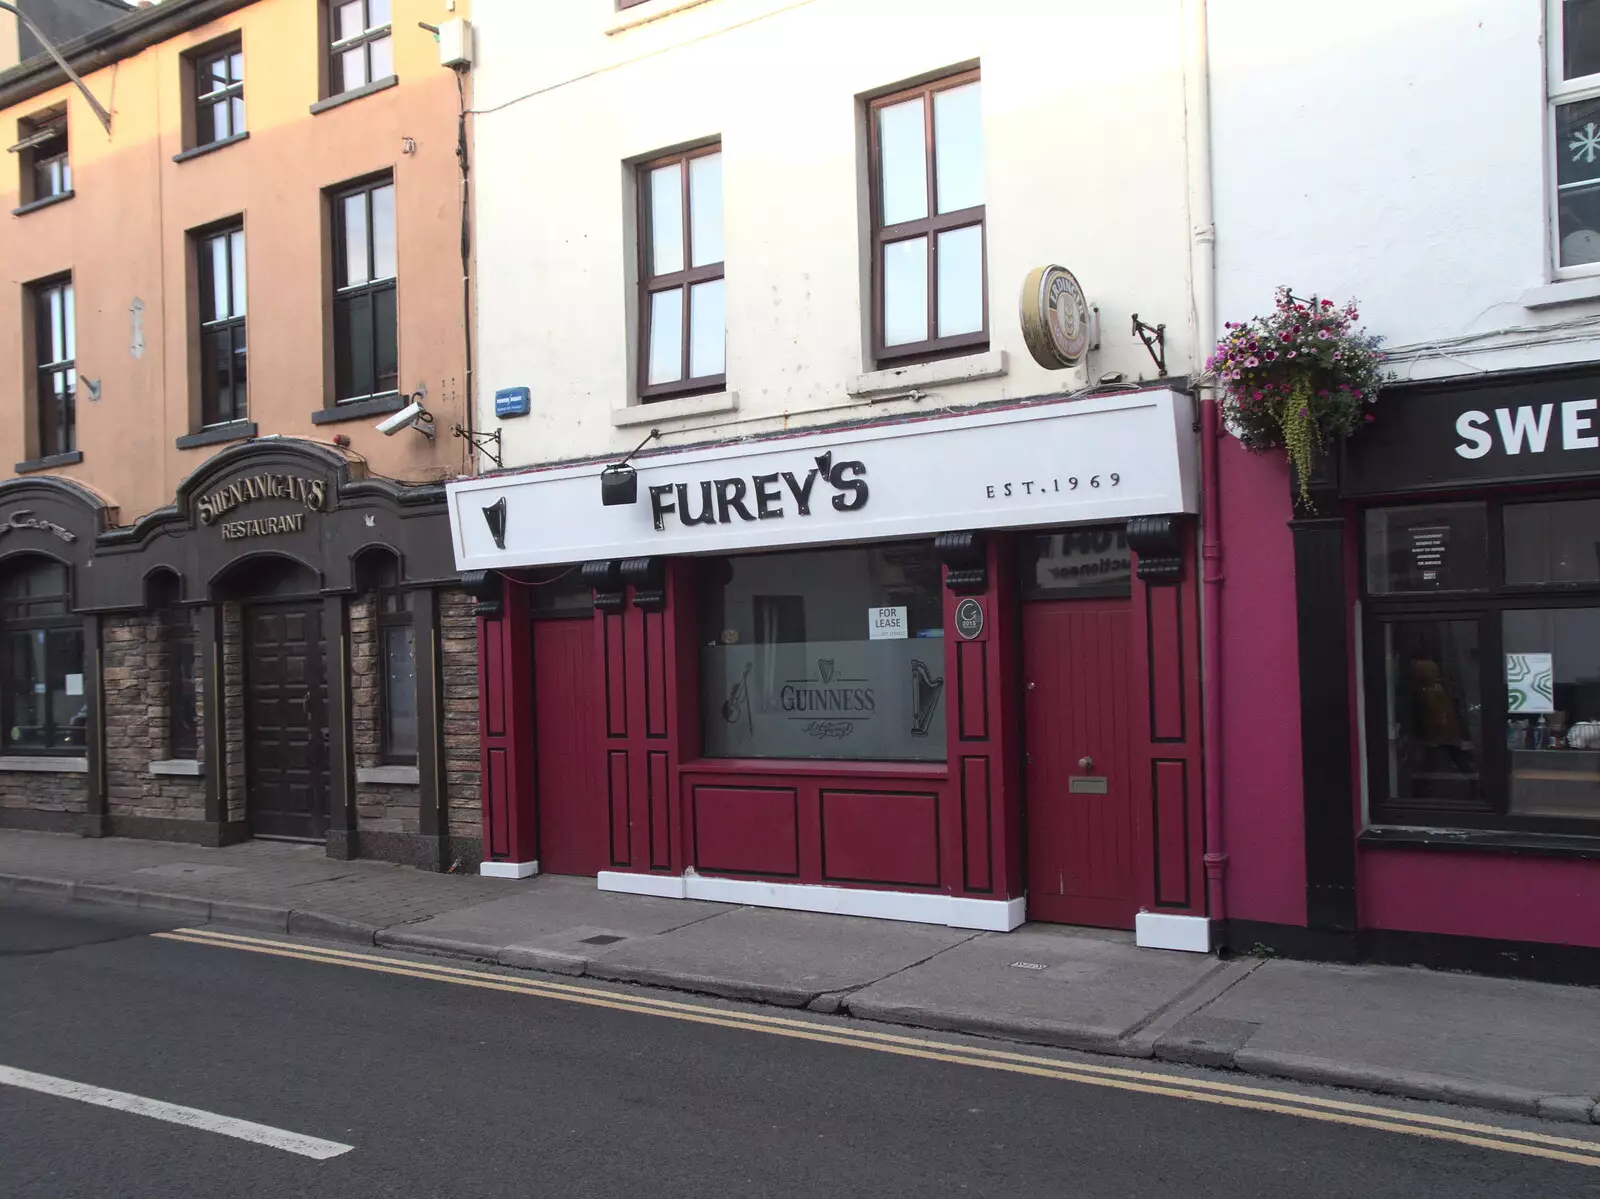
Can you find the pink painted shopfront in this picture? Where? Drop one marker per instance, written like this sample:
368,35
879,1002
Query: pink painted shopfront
1412,681
941,669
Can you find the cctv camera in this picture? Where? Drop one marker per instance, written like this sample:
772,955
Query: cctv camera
404,419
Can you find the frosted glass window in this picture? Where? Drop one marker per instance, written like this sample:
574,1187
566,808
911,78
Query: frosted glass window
903,162
666,219
905,291
383,251
961,281
666,336
705,209
958,147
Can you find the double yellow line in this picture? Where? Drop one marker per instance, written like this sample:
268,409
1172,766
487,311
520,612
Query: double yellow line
1261,1099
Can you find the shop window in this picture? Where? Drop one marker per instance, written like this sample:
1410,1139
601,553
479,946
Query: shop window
1574,124
360,48
682,310
218,94
45,707
928,239
831,654
55,376
366,353
1483,705
44,170
1075,563
183,685
397,662
223,353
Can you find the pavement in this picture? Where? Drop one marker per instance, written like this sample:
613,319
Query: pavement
1503,1045
144,1067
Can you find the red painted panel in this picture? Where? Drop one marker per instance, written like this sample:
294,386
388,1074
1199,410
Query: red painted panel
1164,615
616,675
1083,851
617,792
660,820
884,837
655,675
497,803
572,796
491,641
972,676
1169,803
975,818
747,830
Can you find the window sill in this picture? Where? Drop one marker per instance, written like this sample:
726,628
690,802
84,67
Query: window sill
665,410
179,768
360,409
405,776
44,764
1552,845
233,430
35,205
198,151
355,93
899,382
632,19
50,463
1564,291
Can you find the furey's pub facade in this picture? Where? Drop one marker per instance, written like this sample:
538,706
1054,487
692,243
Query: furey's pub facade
941,669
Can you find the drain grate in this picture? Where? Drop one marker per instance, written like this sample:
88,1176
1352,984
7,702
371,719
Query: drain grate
1029,966
602,939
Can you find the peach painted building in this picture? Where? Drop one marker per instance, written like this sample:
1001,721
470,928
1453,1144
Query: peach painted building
222,273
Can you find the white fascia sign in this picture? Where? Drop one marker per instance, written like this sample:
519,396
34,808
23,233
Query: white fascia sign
1105,458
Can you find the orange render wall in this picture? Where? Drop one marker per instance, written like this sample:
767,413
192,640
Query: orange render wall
123,236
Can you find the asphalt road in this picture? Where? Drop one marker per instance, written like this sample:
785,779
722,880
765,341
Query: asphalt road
444,1086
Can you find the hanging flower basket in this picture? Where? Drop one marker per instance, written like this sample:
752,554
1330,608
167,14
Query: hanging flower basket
1297,378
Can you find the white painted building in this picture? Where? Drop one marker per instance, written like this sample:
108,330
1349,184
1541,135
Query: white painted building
1068,147
1428,157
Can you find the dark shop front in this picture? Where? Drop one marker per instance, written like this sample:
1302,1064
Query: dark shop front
276,654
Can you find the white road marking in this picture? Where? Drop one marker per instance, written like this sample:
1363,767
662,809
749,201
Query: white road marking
192,1117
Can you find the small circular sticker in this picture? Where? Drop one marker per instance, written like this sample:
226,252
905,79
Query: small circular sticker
969,619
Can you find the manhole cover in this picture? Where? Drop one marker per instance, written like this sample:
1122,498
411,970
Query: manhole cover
1029,966
602,939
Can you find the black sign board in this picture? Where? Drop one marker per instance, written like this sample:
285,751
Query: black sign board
1497,429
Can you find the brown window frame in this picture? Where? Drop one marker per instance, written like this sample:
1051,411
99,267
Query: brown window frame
56,430
683,280
204,103
230,329
42,141
929,227
335,47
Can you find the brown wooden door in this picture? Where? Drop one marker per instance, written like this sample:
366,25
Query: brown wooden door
569,702
1082,826
286,728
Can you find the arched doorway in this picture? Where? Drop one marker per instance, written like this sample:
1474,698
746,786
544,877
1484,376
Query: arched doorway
283,653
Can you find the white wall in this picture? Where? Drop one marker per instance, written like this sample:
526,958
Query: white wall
1084,133
1395,151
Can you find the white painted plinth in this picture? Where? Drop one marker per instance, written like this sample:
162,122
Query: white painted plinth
1157,930
508,869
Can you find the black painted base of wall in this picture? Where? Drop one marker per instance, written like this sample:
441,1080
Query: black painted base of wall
407,849
188,832
45,822
1536,960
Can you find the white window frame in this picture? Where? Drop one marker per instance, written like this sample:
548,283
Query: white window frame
1559,91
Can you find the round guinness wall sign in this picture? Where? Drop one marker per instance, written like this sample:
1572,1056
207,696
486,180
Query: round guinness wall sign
969,619
1055,317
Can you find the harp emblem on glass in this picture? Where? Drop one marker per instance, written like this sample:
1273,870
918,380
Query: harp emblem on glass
495,515
925,693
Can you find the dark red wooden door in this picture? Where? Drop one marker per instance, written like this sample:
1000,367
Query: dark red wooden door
568,755
1083,862
286,698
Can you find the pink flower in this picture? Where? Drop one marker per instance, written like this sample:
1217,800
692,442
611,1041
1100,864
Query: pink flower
1256,396
1303,412
1290,354
1272,355
1323,334
1327,303
1252,361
